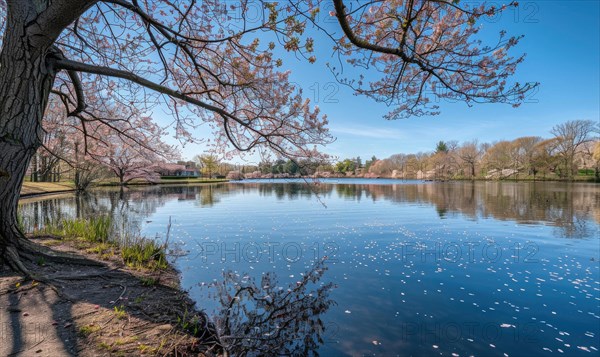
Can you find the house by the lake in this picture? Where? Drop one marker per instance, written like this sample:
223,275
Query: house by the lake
180,169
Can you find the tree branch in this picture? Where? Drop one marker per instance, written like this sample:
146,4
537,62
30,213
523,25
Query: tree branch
112,72
340,13
78,92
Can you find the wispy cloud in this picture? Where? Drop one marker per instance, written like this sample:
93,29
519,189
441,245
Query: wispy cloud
369,132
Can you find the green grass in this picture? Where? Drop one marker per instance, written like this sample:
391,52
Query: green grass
144,253
93,230
40,261
104,346
94,235
88,330
586,178
586,172
120,312
105,248
149,281
190,324
147,349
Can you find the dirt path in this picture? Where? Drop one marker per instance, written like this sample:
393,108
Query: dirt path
106,310
28,321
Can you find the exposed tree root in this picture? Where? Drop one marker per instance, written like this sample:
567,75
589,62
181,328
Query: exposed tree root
23,250
13,260
34,251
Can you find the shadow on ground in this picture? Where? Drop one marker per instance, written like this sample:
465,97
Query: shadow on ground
99,310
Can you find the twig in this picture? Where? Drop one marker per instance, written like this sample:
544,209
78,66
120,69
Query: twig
122,292
165,247
83,276
23,350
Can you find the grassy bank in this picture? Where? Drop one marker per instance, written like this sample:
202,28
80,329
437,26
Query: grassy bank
41,188
120,298
581,178
95,235
168,181
188,181
524,179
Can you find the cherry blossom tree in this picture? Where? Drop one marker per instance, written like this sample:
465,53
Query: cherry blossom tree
129,149
129,162
208,62
135,155
87,172
56,143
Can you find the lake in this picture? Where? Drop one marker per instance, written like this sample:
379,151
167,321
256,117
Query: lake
419,268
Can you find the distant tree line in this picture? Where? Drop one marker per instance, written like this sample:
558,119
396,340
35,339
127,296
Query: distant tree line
573,150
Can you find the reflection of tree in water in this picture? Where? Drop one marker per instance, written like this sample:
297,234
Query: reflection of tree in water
350,191
569,207
290,191
36,214
210,195
258,319
128,207
441,211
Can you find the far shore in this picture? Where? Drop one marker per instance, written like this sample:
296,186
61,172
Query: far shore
32,189
591,179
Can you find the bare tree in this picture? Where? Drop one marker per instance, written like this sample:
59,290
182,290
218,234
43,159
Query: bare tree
570,136
544,158
498,156
596,159
470,154
525,151
87,172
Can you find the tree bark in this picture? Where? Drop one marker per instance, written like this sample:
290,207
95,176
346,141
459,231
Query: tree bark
25,83
121,174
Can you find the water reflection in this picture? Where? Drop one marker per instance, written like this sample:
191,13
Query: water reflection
569,207
259,318
566,206
385,292
128,207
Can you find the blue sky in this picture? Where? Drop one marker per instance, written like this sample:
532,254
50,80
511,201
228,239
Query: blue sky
563,53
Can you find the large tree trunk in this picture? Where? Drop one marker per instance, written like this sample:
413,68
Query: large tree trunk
25,83
34,169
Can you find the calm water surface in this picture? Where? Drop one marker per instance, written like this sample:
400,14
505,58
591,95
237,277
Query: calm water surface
449,269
